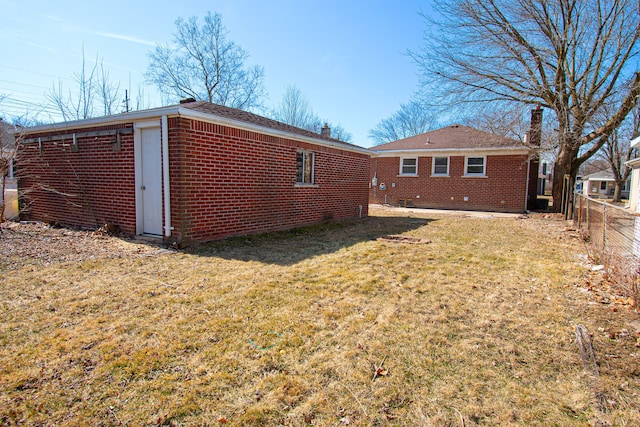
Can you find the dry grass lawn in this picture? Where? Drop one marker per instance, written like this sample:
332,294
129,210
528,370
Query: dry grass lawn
324,326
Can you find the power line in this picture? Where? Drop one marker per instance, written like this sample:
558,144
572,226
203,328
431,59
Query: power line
23,84
34,72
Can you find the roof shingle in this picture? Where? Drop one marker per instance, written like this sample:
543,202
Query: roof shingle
245,116
451,137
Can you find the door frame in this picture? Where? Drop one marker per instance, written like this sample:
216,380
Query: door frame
137,152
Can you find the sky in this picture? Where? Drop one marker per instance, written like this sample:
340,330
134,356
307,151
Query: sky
348,58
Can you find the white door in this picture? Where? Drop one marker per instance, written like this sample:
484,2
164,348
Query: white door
151,180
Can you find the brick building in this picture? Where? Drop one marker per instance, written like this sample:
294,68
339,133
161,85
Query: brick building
191,172
455,167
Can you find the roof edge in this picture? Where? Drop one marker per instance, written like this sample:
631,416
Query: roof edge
132,116
178,110
432,151
199,115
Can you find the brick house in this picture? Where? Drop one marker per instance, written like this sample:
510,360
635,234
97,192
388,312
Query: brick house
188,173
456,167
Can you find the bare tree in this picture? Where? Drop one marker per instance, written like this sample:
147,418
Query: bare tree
617,150
204,64
339,132
78,103
413,118
571,57
294,109
109,92
93,93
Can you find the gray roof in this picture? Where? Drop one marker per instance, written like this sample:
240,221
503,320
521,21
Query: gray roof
245,116
599,176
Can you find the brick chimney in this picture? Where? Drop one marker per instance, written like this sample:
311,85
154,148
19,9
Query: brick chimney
535,133
325,132
534,137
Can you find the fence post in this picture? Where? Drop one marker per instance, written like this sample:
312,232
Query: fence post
604,227
580,211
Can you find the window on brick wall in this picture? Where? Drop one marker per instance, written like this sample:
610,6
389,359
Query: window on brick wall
440,166
409,166
603,185
304,167
475,166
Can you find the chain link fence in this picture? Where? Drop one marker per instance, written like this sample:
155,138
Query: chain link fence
613,234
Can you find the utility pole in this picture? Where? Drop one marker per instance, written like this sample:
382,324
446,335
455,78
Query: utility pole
126,101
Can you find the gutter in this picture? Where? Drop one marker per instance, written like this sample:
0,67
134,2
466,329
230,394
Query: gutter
526,188
177,110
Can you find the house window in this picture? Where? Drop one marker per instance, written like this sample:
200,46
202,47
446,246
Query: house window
440,166
603,185
305,161
475,166
409,166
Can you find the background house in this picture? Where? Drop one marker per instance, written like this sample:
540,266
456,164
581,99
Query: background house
634,186
602,185
8,197
189,172
455,167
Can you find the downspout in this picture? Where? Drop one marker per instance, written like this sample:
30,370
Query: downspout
165,177
526,188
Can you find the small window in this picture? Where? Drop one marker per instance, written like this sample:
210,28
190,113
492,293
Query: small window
409,166
475,166
603,185
440,166
304,167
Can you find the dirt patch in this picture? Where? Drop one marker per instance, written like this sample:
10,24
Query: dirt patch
39,244
403,239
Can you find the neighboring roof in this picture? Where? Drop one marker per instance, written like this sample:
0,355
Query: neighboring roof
599,176
202,110
634,163
635,142
454,137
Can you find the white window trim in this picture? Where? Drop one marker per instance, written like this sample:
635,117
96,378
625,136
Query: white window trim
402,159
475,175
313,170
433,166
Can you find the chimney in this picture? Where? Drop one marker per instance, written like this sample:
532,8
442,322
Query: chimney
535,132
187,100
325,132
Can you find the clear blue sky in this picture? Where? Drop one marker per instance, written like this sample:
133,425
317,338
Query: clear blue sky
347,57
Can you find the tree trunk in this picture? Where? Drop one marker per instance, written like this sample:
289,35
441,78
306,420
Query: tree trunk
566,164
617,192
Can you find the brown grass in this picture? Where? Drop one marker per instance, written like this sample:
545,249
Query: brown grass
475,328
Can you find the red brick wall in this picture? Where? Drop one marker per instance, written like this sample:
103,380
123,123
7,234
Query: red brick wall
502,190
87,188
226,181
